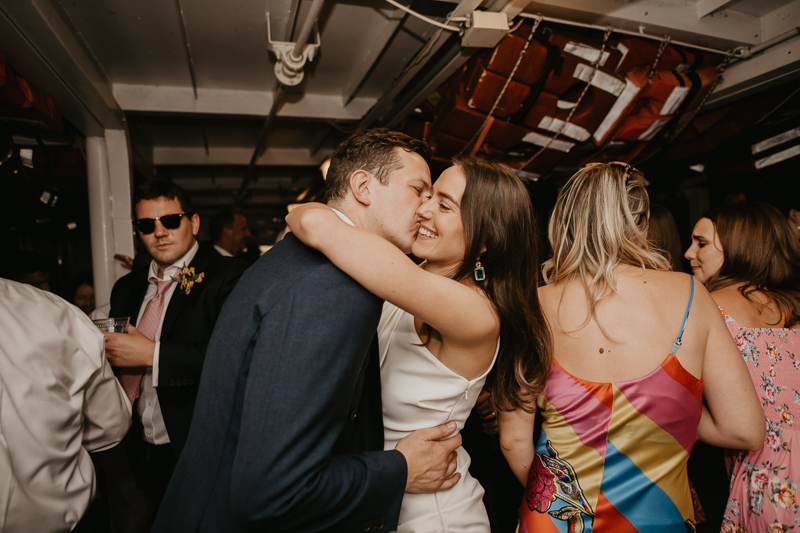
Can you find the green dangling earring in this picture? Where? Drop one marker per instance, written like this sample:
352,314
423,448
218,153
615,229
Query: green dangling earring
480,273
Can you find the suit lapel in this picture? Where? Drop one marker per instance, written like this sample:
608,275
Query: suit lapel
179,297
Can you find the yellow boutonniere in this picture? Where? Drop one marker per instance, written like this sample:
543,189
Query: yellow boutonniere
188,278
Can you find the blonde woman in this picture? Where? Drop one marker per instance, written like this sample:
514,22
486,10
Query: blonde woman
621,411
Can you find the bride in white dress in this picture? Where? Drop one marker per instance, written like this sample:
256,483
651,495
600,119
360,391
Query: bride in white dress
468,316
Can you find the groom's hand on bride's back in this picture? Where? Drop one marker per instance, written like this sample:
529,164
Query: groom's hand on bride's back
431,458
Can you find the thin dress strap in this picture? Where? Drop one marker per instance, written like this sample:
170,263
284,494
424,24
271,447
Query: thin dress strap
685,316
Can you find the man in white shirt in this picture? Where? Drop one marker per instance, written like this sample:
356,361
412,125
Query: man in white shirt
173,304
59,401
229,231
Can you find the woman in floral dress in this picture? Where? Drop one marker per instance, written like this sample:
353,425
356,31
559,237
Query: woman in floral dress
756,285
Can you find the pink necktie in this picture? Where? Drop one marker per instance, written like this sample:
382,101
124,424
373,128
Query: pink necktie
147,326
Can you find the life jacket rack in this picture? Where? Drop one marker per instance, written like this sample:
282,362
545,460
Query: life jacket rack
555,100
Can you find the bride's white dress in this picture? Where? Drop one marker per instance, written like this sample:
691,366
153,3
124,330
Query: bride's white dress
419,391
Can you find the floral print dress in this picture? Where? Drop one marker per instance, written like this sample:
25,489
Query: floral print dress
763,494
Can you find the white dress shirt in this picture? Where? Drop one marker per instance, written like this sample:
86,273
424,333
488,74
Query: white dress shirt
222,251
59,400
148,408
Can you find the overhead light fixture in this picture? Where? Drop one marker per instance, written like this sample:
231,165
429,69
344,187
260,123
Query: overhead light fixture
26,155
324,168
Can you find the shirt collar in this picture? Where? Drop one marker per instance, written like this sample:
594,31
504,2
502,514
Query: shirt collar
173,270
342,216
222,251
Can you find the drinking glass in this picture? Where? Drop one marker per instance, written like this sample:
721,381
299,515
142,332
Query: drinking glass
113,325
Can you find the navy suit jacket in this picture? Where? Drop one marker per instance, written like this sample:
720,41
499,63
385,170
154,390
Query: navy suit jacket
188,322
288,432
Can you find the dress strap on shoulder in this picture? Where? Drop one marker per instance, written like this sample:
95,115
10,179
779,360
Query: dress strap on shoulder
679,338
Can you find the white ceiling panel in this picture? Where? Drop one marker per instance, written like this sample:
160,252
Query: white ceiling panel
755,8
228,43
134,41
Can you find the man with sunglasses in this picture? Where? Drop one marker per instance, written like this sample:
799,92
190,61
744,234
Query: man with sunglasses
173,303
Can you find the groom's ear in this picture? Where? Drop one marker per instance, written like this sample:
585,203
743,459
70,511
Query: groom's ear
360,182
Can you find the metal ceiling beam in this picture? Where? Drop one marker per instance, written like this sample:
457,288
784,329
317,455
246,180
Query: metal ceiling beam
277,201
778,64
186,46
154,99
232,183
387,101
283,15
430,86
677,19
512,8
38,42
293,65
706,7
780,20
382,37
196,155
440,72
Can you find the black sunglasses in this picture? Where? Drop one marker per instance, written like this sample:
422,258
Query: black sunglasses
146,226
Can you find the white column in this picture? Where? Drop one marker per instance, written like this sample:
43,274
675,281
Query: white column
109,177
102,225
119,169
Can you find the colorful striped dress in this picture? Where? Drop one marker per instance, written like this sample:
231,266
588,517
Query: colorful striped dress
612,456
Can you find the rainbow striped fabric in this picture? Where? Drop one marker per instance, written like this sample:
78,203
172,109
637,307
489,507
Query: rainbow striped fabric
612,456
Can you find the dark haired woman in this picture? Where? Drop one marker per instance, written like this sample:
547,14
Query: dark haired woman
470,308
662,231
621,411
757,288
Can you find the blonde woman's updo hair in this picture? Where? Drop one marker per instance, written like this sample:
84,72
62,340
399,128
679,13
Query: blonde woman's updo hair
600,220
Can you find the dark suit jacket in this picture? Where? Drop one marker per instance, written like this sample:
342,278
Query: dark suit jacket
188,323
288,433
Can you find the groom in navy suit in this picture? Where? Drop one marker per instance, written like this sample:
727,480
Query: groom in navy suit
288,432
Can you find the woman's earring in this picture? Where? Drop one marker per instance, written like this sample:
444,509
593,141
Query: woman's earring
480,273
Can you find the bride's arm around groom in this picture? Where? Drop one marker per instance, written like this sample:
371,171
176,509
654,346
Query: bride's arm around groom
287,433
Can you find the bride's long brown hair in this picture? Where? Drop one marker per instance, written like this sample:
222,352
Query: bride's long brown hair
497,216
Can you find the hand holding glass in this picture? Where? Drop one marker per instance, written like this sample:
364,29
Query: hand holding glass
113,325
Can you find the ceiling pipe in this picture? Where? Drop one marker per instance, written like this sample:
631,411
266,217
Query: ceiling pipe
305,31
292,57
747,53
288,69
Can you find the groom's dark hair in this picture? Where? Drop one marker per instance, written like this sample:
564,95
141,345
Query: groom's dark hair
373,151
